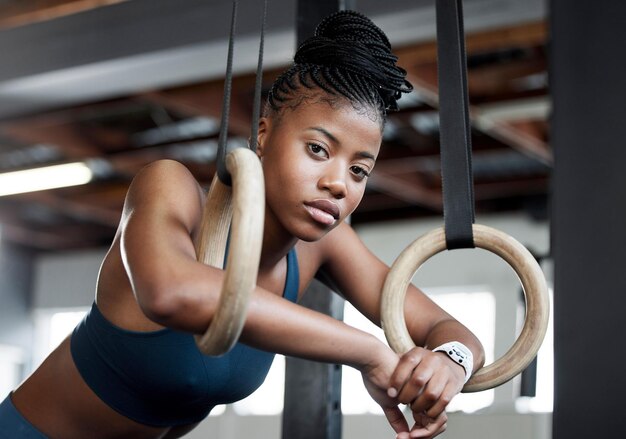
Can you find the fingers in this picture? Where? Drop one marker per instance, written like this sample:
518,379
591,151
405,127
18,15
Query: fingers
427,381
396,419
420,377
426,427
430,397
404,370
422,380
442,402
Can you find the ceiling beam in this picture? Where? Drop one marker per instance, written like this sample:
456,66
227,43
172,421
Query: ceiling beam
503,78
66,137
77,210
523,35
420,63
377,202
20,13
509,134
203,100
126,47
61,237
502,189
412,192
36,239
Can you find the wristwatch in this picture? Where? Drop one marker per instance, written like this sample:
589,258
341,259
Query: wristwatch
459,353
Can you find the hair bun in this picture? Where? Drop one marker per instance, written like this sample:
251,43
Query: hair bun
349,41
352,25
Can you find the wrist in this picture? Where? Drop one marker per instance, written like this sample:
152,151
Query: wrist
378,357
460,354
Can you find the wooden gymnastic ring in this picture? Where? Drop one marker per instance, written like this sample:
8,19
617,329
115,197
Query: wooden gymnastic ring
245,204
519,356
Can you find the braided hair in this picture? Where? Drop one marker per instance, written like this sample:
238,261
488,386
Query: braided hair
349,57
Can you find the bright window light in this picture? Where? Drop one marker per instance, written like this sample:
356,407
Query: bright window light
475,309
49,177
354,398
11,362
51,328
218,410
61,324
267,399
543,401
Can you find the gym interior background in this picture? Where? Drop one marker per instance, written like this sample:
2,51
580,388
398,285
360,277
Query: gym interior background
117,84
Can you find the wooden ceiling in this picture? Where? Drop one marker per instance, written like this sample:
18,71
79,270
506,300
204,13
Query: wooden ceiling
512,159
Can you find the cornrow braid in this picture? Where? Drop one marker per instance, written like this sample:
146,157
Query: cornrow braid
348,57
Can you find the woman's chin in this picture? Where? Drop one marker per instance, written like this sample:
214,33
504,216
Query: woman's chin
313,233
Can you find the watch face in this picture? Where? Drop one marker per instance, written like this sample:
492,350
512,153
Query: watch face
459,354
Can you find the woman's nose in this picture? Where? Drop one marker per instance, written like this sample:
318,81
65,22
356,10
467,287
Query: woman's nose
334,181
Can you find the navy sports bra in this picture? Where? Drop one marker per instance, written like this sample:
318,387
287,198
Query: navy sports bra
160,378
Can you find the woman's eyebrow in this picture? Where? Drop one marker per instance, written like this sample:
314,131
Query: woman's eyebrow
363,154
366,155
326,133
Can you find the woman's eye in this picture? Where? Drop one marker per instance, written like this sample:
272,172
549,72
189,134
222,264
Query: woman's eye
317,150
360,172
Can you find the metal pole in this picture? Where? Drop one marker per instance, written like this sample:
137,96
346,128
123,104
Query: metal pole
588,87
313,390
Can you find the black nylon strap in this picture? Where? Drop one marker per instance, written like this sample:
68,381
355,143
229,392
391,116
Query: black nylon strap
222,141
256,111
455,131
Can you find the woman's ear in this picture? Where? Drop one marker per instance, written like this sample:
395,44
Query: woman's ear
262,135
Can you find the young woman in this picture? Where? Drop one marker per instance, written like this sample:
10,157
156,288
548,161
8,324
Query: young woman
131,368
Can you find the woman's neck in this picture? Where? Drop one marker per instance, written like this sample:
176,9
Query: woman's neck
277,242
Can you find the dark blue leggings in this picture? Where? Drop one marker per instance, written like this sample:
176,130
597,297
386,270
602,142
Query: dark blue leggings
13,425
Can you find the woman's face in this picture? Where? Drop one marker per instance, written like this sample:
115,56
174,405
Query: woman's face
316,159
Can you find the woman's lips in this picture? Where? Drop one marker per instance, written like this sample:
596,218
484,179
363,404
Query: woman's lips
323,211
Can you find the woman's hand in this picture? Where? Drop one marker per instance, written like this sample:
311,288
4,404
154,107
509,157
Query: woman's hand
426,427
376,377
427,381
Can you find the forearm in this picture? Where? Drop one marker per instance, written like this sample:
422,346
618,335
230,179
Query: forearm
272,323
278,325
430,326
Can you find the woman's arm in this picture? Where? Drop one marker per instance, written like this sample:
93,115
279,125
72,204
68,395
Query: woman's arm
161,215
360,275
424,379
176,291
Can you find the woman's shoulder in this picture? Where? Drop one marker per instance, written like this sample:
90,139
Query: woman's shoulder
162,177
165,184
164,169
